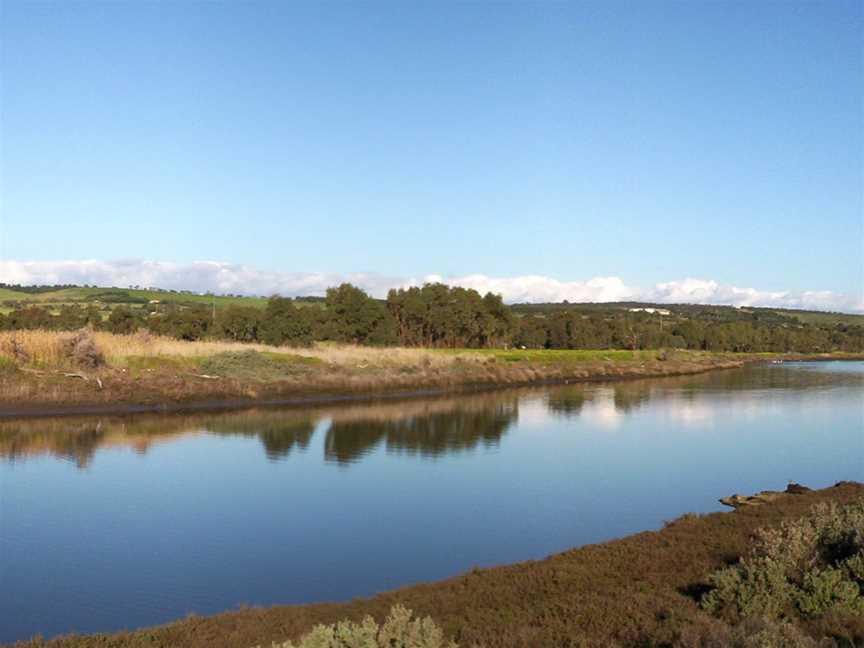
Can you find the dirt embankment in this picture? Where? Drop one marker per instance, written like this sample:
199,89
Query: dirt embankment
641,590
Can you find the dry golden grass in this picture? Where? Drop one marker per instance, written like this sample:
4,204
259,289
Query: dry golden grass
45,348
39,347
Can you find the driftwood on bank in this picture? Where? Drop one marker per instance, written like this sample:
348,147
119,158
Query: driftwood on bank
84,378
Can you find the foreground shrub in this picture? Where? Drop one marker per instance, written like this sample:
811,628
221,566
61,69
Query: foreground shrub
806,567
399,631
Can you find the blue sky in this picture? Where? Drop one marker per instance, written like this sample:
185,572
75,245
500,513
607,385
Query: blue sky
650,141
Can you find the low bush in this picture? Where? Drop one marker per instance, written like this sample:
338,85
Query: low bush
400,630
804,568
751,633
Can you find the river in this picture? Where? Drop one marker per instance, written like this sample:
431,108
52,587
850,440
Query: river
123,522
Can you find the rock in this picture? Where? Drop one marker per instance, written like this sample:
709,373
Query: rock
737,501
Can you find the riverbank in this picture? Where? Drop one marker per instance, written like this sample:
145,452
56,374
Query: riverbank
46,373
642,590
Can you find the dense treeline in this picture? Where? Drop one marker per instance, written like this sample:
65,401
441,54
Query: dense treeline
439,316
569,330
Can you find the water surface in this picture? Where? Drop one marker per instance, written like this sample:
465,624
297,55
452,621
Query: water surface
121,522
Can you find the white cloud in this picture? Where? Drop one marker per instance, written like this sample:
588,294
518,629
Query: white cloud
536,288
200,276
218,277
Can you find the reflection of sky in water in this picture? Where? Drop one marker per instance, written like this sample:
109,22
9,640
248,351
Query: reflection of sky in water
161,516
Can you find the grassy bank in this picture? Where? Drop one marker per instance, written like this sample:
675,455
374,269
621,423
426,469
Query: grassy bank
642,590
42,370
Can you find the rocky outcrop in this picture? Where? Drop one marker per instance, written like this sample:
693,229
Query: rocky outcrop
764,497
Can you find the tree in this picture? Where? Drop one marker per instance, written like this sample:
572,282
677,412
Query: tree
238,323
285,323
353,316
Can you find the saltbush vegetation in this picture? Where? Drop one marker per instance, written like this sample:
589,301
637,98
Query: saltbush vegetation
802,569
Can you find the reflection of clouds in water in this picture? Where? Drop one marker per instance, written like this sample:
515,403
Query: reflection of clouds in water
607,407
602,410
705,410
760,404
534,412
691,413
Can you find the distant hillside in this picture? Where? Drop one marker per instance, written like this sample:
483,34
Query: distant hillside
53,297
699,311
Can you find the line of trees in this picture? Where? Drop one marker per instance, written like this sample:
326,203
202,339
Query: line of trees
440,316
572,330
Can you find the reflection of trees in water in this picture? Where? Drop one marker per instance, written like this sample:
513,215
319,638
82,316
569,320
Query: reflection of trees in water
278,443
279,435
72,441
428,427
429,435
790,376
627,396
630,397
567,401
571,400
79,439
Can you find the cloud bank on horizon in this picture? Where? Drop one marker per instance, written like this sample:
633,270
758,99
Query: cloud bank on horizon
219,277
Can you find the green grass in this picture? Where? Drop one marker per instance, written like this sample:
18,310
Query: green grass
11,295
242,365
554,356
256,366
160,363
292,358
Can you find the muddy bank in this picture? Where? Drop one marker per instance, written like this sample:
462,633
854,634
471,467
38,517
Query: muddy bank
641,590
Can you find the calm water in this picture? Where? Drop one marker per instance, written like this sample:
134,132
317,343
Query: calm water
108,523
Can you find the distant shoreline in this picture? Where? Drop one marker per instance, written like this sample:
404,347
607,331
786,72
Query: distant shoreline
168,407
241,377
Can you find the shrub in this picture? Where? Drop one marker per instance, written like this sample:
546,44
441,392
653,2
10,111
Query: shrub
82,351
805,567
829,589
399,631
754,587
752,633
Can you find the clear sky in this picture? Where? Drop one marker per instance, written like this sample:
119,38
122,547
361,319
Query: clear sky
651,141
